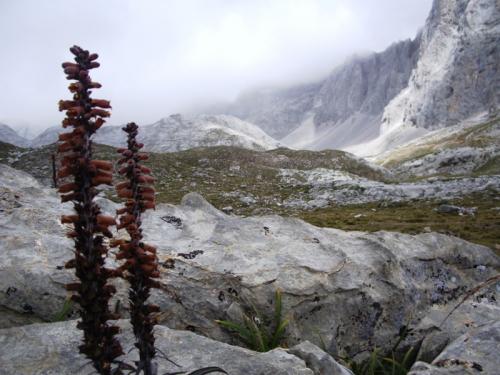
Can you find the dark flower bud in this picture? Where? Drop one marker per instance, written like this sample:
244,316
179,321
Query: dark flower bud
69,219
105,220
102,164
67,187
94,85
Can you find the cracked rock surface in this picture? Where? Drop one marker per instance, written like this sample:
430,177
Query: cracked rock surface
350,290
52,349
475,352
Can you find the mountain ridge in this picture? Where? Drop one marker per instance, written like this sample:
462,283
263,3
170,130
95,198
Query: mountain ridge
370,104
9,135
177,132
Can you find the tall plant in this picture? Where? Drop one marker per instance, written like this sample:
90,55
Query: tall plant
141,263
81,175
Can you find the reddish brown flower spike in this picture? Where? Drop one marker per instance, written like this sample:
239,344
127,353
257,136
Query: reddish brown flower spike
92,291
141,261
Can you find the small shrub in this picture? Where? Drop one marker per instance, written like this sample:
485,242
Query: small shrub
64,312
258,333
394,364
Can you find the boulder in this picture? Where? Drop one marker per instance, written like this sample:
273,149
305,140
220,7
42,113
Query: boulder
457,210
318,360
475,352
352,291
52,349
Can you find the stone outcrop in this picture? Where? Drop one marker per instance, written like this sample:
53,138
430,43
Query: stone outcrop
52,349
350,290
475,352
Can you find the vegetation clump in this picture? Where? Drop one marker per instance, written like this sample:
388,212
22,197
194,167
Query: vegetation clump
260,333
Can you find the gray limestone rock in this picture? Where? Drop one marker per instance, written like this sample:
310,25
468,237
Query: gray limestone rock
457,210
319,361
475,352
350,290
52,349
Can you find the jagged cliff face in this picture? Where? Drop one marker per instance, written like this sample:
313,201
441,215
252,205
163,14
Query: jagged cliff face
349,105
345,108
448,74
366,84
457,73
456,77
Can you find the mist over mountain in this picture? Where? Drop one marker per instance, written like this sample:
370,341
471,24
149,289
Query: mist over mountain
445,75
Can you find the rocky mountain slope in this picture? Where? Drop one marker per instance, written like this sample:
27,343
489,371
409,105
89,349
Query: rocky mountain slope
456,77
276,111
464,149
327,188
9,135
341,110
447,74
176,133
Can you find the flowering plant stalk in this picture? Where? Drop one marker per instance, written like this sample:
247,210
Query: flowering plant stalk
80,176
141,264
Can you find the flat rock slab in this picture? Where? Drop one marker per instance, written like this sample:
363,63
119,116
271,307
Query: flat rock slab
350,291
52,349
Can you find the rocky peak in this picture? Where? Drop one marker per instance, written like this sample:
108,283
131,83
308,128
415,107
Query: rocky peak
457,75
9,135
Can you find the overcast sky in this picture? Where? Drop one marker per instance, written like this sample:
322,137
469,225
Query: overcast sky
161,57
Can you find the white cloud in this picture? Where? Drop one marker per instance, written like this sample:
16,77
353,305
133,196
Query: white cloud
159,57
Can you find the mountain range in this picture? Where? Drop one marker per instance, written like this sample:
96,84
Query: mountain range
170,134
447,75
